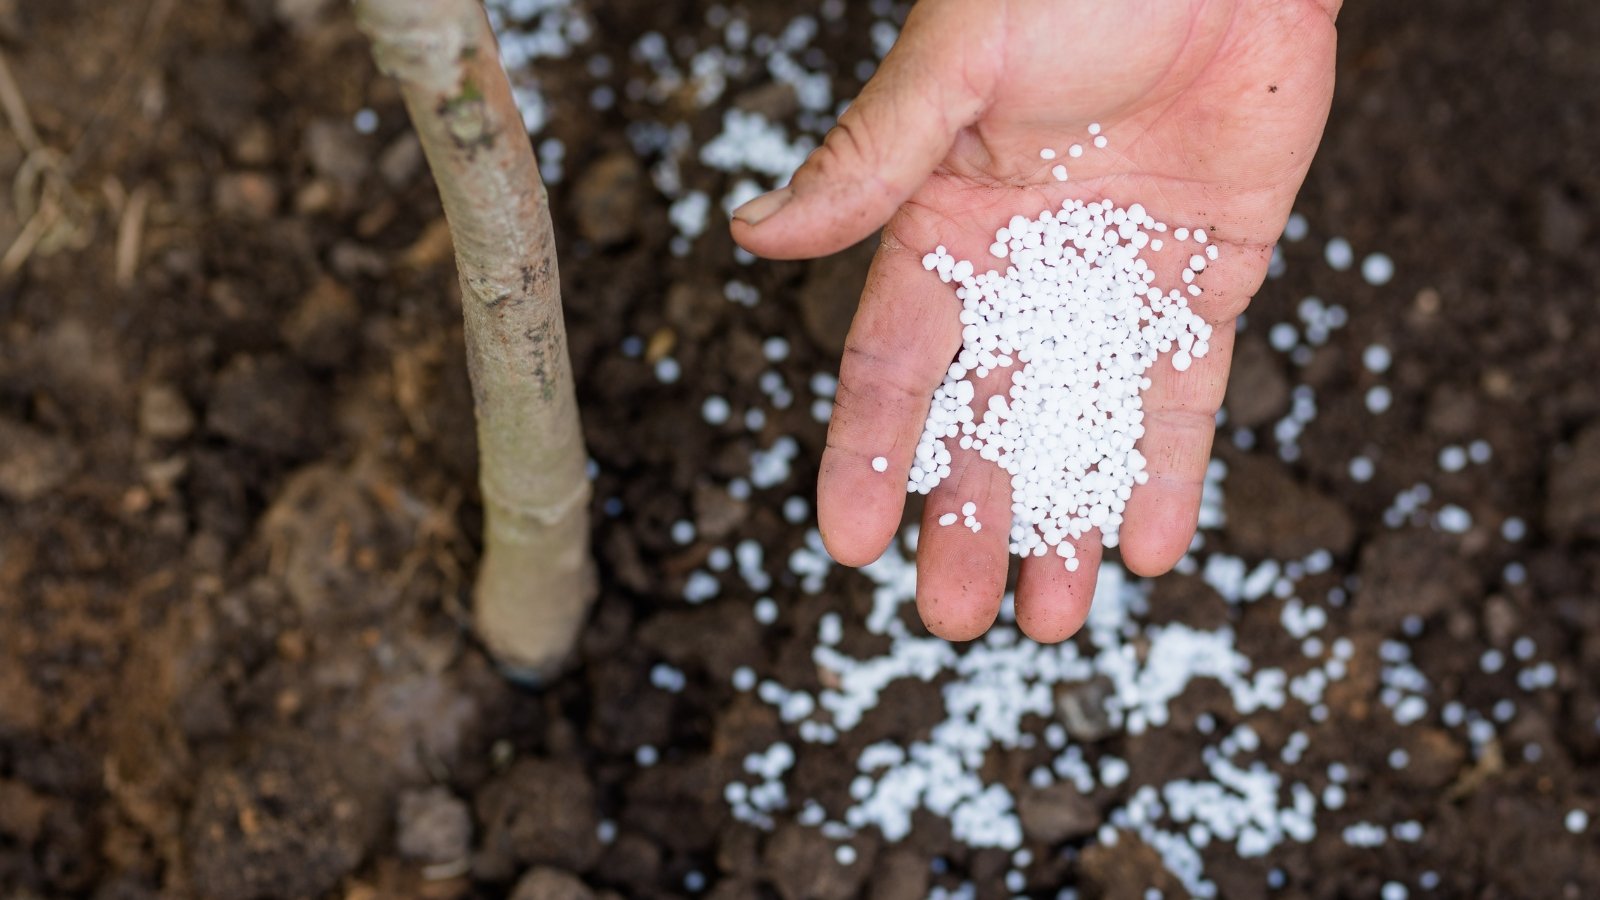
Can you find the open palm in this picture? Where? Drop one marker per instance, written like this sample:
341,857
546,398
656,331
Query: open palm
1211,109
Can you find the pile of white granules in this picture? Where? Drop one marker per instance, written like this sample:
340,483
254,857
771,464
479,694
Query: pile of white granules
1078,320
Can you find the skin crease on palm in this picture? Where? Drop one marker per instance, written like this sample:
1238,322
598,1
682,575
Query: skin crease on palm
1212,110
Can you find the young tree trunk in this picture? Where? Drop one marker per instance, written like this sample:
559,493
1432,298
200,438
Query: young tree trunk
536,579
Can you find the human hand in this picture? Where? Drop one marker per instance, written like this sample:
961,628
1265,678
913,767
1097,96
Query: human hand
1212,110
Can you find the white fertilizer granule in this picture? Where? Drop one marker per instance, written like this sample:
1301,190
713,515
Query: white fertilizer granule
1078,321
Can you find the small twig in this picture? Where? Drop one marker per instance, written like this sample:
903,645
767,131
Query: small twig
27,239
49,222
130,236
16,109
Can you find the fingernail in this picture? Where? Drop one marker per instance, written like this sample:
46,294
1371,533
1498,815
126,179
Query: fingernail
761,208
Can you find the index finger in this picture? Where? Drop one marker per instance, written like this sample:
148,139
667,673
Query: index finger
902,339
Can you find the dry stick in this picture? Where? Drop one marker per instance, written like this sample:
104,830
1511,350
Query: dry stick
536,579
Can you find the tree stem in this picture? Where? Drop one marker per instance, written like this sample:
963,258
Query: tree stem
536,579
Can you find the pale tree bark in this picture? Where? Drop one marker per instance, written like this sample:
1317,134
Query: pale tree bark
536,579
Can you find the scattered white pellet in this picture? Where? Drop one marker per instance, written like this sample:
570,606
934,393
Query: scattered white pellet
1075,151
1377,269
667,678
775,349
1296,228
1376,358
766,611
795,510
1100,141
947,519
1453,519
1378,399
668,370
1365,834
844,855
880,464
1452,458
1577,821
1394,890
1523,648
1059,172
830,629
682,532
1047,153
1409,831
715,410
1513,529
701,586
1094,127
1338,254
1283,337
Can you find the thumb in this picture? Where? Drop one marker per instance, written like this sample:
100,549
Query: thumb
933,83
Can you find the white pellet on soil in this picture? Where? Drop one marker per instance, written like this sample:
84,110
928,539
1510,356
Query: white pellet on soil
1376,358
1077,321
715,410
1453,458
1361,469
795,510
1338,254
365,121
1377,269
766,611
683,532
